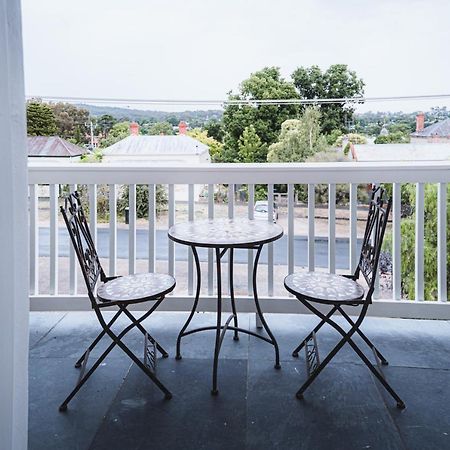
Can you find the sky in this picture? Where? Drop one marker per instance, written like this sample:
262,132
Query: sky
202,49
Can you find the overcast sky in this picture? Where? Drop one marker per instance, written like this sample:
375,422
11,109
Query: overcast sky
201,49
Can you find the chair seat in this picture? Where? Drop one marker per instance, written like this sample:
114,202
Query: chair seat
324,287
144,286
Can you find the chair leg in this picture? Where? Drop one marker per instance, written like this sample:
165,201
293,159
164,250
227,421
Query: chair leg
144,332
233,302
97,340
316,329
365,338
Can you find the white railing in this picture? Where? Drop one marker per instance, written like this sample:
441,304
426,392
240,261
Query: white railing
274,299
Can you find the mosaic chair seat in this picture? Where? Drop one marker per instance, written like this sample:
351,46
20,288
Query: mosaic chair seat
119,292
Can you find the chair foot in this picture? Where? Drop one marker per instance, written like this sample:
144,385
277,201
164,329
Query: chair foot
385,363
178,357
168,396
235,338
401,405
277,366
63,407
214,391
77,365
295,354
299,395
165,355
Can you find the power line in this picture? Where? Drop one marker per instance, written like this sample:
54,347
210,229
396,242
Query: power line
237,102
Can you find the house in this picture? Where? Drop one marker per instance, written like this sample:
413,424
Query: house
437,132
162,149
53,149
422,151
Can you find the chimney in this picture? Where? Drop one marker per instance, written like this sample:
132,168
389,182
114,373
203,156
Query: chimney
182,127
420,122
134,129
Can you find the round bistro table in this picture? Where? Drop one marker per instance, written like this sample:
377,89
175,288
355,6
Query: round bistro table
225,235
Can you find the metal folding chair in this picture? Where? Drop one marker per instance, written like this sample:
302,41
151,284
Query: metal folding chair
114,291
338,291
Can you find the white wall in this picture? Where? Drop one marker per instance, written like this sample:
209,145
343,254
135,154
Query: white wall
14,303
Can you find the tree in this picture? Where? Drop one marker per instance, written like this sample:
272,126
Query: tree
336,82
142,200
164,128
250,146
105,123
40,119
119,131
397,137
215,130
266,119
215,147
72,122
299,139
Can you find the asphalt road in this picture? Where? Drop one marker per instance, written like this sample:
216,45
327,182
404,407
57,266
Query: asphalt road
181,252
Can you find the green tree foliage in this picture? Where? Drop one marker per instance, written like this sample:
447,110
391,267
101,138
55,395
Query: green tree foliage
104,124
397,137
299,139
352,138
250,146
40,119
266,119
336,82
215,147
72,122
215,130
164,128
430,244
142,200
119,131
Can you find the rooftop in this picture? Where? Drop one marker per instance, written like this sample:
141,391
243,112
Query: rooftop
401,152
256,407
438,129
156,145
53,147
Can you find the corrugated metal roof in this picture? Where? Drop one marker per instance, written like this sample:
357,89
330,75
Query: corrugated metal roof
439,129
402,152
53,146
157,145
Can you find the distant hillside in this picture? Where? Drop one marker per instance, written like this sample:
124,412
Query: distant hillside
194,118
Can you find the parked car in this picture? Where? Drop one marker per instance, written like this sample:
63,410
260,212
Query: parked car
261,210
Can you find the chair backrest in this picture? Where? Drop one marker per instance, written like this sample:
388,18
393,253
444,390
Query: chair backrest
81,238
377,219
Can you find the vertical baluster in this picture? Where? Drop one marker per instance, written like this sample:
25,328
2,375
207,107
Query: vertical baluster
151,226
332,228
311,232
442,241
93,211
34,239
171,223
353,227
419,258
290,202
54,239
210,250
396,242
72,258
191,213
270,245
112,229
132,229
250,212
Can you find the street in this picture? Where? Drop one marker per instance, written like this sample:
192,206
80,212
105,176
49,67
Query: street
181,252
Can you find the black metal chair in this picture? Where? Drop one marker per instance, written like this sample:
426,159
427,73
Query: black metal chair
114,291
338,291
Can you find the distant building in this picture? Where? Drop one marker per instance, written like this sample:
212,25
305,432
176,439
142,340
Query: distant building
53,149
179,149
422,151
384,131
437,132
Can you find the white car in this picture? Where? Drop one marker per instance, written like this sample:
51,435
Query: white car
261,211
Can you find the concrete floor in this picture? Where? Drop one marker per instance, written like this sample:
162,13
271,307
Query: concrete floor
345,408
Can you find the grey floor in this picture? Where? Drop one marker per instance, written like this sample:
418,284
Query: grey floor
345,408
